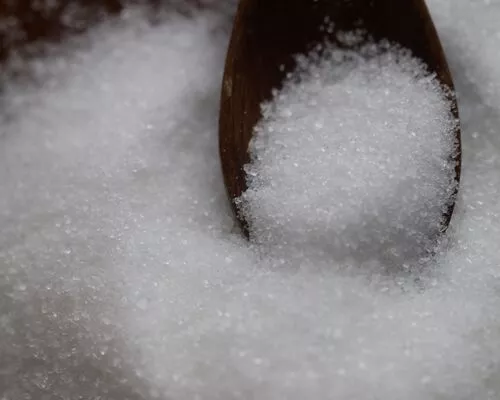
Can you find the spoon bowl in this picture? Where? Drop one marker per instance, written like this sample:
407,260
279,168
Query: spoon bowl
268,34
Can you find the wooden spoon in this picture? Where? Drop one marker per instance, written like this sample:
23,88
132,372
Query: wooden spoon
266,36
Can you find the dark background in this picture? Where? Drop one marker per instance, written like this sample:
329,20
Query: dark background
23,22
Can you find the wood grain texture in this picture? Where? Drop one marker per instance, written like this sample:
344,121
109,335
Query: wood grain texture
268,33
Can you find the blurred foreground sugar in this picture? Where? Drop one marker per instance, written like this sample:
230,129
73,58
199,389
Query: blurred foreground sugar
120,277
353,157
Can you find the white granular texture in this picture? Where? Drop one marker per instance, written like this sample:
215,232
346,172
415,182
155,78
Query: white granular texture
121,277
354,157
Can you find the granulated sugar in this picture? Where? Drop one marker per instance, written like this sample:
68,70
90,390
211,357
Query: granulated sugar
353,157
121,276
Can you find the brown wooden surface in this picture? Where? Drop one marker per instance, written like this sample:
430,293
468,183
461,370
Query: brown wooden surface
23,22
266,35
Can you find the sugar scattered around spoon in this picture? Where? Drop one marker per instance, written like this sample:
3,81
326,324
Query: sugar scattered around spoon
120,277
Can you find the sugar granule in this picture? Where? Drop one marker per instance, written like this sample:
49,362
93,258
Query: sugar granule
120,277
353,156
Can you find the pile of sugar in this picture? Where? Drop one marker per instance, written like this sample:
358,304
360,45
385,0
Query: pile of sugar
352,156
121,277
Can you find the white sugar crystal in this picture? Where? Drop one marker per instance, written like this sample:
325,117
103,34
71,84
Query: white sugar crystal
352,156
120,277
